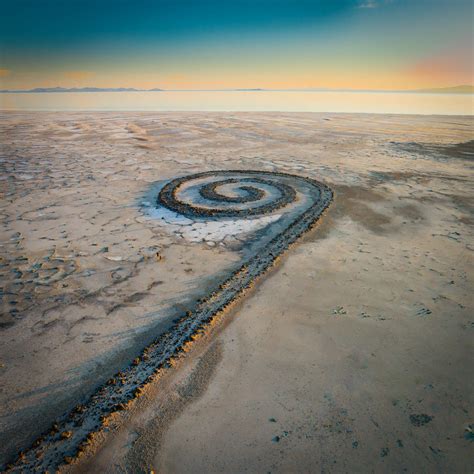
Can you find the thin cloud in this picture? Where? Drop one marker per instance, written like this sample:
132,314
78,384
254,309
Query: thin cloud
5,72
450,66
368,4
78,75
373,3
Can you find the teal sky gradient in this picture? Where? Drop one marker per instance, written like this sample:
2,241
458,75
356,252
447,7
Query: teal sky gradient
242,43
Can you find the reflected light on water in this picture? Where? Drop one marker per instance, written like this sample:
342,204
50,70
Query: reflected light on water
284,101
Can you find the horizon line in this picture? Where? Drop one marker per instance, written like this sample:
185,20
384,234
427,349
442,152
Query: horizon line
59,89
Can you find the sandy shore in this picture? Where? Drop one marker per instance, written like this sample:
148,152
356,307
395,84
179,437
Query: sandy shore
351,356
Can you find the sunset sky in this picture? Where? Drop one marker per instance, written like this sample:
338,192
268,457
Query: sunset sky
218,44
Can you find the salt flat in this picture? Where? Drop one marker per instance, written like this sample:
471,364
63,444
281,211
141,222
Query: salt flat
353,353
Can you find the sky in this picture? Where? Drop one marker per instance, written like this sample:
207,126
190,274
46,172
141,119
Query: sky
222,44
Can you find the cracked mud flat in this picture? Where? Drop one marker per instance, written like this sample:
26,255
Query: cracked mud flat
363,327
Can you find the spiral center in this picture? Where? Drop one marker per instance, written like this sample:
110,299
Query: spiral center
264,192
209,191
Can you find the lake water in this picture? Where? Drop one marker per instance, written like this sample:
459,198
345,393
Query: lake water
283,101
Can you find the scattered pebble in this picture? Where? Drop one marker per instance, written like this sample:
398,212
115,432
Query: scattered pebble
420,420
384,452
469,434
423,312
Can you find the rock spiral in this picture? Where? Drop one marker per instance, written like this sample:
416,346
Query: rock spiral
261,192
210,195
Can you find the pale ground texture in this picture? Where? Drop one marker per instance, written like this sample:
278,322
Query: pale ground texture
353,355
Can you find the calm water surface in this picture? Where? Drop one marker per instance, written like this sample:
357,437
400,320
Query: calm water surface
284,101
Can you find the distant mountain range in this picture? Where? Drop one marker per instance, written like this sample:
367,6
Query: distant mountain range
81,89
463,89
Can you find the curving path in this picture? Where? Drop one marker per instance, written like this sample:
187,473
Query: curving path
209,195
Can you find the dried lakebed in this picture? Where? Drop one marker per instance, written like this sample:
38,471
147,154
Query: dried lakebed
207,195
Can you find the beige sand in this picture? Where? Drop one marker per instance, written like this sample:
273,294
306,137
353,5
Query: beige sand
329,365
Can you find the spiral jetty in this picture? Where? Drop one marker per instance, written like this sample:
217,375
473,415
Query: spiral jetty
209,195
